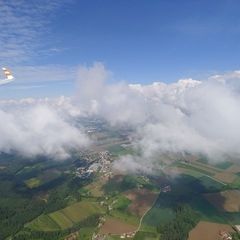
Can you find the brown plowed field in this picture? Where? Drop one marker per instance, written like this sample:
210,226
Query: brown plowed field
233,169
208,231
228,201
142,200
116,226
225,176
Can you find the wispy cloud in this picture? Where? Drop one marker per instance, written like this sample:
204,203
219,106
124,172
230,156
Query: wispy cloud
23,25
44,73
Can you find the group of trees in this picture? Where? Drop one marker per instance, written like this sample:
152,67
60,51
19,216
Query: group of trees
236,236
118,184
178,229
13,215
19,205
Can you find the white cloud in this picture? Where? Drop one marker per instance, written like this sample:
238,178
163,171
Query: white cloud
186,116
32,129
114,102
133,164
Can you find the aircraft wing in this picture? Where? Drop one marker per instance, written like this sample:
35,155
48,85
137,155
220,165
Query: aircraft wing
9,77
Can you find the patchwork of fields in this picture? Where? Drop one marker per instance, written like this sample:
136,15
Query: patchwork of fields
228,201
208,231
65,218
116,226
123,200
226,173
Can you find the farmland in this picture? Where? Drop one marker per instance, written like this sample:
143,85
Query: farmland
221,174
65,218
33,182
204,189
209,230
185,190
118,203
96,188
142,200
228,201
116,226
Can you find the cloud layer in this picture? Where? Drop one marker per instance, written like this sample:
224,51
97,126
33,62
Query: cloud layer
33,129
186,116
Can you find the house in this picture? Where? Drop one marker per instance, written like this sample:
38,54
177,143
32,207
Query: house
166,189
225,235
237,227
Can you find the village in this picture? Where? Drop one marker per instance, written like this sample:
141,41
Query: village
101,164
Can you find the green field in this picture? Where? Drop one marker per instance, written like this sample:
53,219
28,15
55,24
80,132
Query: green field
86,233
141,235
158,215
61,219
125,216
118,150
81,210
194,168
223,165
210,184
236,182
186,190
33,182
42,178
44,222
122,203
65,218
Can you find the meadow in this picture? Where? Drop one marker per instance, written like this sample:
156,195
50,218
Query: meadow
185,189
66,217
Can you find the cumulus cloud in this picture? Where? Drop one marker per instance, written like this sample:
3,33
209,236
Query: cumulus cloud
38,129
198,117
133,164
188,116
111,101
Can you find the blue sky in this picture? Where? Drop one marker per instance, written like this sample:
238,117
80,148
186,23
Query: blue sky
140,41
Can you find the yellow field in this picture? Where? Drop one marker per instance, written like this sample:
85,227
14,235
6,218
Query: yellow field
66,217
45,223
95,188
81,210
207,167
61,220
197,169
33,182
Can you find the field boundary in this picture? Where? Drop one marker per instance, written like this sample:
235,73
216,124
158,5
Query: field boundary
141,219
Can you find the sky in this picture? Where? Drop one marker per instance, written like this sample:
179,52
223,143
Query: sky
140,41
